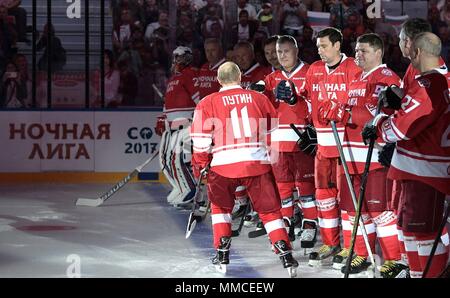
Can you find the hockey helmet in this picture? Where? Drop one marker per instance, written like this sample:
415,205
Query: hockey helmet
182,56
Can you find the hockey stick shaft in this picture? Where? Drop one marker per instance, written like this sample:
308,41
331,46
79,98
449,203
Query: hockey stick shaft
362,191
157,91
296,130
235,233
352,194
124,181
436,242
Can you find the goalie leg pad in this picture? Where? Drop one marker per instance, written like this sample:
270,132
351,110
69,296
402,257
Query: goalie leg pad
181,172
165,165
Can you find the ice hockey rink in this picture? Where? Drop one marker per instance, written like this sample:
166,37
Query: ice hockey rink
136,233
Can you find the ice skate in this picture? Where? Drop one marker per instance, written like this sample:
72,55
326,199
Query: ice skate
222,257
358,265
340,258
323,256
394,269
286,257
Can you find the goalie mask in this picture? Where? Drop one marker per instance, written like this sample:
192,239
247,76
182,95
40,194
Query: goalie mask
182,57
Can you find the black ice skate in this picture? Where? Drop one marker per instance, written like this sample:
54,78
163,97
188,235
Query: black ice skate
394,269
323,256
222,257
340,259
286,257
359,264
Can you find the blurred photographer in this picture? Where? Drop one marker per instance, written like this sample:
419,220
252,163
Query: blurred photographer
13,90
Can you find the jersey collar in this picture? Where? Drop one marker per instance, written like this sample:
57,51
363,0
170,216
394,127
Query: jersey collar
230,87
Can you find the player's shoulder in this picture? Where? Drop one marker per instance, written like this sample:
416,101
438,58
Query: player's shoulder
317,64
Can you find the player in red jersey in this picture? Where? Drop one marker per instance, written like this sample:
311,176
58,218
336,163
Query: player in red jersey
206,80
229,132
252,71
421,159
328,79
293,168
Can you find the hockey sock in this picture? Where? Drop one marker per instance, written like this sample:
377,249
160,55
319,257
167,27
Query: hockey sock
424,244
287,207
401,246
241,195
413,256
274,225
360,245
307,200
221,223
346,228
328,214
386,228
285,190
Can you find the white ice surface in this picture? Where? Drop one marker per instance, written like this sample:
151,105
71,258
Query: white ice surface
136,233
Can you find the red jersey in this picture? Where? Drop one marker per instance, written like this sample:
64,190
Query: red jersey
284,138
421,129
232,125
180,98
325,84
254,74
206,81
363,94
411,73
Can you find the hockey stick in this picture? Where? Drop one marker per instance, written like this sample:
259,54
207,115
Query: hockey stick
362,190
100,200
436,241
235,233
199,216
355,204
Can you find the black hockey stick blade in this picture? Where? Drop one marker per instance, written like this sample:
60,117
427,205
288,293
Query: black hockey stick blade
257,233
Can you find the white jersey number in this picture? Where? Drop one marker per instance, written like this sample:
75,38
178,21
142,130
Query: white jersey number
245,123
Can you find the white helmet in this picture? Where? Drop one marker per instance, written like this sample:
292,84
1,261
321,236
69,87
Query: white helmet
182,56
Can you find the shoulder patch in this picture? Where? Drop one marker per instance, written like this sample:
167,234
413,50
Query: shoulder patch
424,83
386,72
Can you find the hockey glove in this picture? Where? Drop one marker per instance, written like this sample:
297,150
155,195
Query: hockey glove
259,86
285,91
370,130
308,140
160,125
334,111
385,154
391,97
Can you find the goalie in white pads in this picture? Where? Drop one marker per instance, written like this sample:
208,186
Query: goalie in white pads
175,147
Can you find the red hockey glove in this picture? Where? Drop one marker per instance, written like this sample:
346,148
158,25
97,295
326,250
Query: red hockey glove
334,111
160,125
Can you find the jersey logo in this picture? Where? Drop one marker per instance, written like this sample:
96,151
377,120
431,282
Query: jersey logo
386,72
424,83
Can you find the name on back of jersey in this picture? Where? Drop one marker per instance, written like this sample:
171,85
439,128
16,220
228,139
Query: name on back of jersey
237,99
